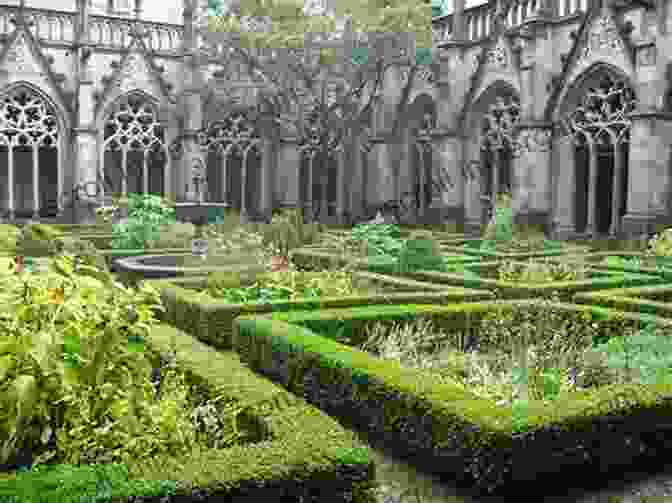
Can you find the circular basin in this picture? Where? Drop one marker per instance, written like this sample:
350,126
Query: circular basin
184,264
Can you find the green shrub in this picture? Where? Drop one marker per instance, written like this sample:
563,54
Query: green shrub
37,240
83,249
174,235
420,252
9,235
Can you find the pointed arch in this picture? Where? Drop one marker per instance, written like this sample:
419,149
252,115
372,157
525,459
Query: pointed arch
571,95
232,147
33,150
134,153
594,114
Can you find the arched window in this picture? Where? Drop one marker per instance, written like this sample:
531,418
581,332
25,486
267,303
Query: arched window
498,145
600,126
134,149
30,155
233,171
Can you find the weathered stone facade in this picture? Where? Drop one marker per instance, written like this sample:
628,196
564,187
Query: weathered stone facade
567,102
564,103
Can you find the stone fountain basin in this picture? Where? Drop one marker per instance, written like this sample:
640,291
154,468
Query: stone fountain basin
194,212
173,265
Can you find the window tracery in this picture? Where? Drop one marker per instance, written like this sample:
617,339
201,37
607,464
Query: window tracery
26,120
604,109
134,125
234,130
499,124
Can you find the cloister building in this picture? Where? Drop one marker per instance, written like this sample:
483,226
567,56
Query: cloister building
565,103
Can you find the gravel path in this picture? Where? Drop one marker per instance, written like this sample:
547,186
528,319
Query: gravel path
400,481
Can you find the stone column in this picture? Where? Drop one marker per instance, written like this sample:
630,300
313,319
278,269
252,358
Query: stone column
563,187
266,188
447,164
458,20
616,191
592,189
648,172
531,169
85,134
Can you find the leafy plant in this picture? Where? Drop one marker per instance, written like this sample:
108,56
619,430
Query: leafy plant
146,214
282,285
539,271
37,240
73,371
644,356
661,244
378,239
420,252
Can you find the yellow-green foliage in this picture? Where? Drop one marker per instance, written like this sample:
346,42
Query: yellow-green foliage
72,367
9,235
540,271
661,244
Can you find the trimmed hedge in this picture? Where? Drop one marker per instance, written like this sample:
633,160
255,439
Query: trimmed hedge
305,455
211,320
442,427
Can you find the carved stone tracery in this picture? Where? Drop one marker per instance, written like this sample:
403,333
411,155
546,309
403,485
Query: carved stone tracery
603,37
603,109
499,124
134,125
235,131
26,120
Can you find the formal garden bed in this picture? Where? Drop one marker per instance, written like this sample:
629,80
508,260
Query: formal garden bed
97,396
538,369
535,277
648,300
206,306
309,314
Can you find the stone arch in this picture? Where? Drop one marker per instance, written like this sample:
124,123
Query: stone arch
573,91
33,130
134,153
490,126
232,147
594,117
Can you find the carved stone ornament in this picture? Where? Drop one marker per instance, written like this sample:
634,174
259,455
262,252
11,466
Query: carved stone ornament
646,56
19,58
532,140
603,38
496,57
499,124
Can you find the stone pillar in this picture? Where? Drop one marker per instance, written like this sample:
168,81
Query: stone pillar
472,198
355,192
531,169
648,172
458,20
448,165
592,189
616,191
193,106
340,184
85,134
266,190
563,187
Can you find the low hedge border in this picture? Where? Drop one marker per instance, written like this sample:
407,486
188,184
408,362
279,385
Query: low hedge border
325,258
211,320
653,300
442,427
662,268
518,290
473,247
317,461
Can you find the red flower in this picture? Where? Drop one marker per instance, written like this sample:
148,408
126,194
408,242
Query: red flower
279,263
